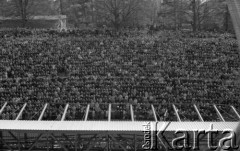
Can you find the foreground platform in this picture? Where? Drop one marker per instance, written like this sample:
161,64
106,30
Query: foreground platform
99,135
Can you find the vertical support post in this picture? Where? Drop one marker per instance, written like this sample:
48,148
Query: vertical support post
108,143
219,114
199,115
48,143
80,141
19,144
135,142
43,111
3,107
154,113
132,114
20,113
235,111
87,111
176,112
76,142
109,112
65,112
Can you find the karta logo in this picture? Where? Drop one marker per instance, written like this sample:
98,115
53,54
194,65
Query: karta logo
148,136
185,139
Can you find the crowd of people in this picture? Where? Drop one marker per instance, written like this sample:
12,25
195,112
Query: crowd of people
96,68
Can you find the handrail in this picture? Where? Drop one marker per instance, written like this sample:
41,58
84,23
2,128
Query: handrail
20,113
199,115
175,109
65,112
43,111
3,107
87,112
109,112
235,111
219,114
132,114
154,113
85,117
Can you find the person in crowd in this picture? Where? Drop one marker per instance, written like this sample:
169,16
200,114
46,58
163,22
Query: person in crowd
95,68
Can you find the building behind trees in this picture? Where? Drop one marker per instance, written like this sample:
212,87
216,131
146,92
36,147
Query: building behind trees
196,15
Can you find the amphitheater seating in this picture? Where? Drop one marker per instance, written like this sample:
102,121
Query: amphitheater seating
134,72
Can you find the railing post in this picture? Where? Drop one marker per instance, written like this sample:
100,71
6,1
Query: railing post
199,115
43,111
20,113
3,107
219,114
235,111
176,112
87,111
132,114
109,112
154,113
65,112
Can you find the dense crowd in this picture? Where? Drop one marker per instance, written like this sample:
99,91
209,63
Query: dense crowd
96,68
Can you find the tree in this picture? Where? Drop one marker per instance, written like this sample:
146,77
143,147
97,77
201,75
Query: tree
22,7
175,13
214,15
117,12
26,9
194,19
207,15
78,12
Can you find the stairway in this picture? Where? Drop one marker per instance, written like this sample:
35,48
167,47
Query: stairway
234,9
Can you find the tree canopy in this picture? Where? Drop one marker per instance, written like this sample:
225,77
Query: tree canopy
173,14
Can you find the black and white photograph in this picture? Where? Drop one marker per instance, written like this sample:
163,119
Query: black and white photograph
119,75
